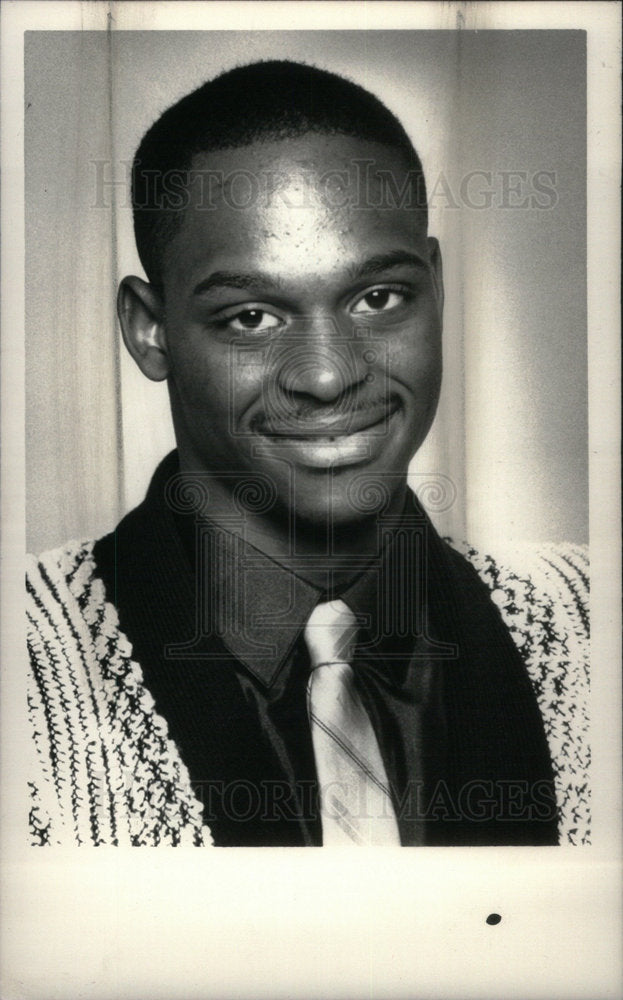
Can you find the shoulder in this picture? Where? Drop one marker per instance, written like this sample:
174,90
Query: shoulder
542,593
61,576
559,570
62,594
61,563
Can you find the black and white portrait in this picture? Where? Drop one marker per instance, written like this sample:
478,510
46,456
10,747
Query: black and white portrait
292,218
307,361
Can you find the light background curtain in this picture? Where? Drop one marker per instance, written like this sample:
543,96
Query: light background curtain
486,110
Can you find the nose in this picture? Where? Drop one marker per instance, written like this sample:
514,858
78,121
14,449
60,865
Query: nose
320,362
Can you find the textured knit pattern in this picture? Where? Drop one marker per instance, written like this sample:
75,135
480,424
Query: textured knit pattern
107,772
544,603
104,770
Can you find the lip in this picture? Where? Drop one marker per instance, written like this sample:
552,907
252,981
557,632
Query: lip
335,426
329,448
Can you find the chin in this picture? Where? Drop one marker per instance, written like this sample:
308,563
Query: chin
321,523
343,501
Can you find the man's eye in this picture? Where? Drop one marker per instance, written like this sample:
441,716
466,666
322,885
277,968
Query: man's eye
253,320
378,300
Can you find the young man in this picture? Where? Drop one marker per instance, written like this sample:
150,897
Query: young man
276,648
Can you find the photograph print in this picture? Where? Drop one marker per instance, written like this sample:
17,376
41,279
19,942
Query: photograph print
306,438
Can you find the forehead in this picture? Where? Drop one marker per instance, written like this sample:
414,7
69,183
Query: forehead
304,202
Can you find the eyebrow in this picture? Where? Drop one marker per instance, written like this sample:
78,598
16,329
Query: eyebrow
385,261
237,279
260,280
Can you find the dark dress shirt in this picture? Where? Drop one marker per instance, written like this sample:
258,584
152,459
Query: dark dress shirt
217,627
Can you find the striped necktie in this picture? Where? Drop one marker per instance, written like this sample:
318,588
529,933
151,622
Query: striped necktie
355,802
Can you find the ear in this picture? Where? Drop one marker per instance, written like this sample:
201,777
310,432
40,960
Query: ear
434,253
141,314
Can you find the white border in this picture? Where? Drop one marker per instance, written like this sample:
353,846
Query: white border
113,923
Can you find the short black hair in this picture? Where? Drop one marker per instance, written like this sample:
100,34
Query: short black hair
264,100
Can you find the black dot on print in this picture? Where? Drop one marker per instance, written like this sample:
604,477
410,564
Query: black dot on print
494,918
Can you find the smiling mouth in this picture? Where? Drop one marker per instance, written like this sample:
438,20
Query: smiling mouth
335,447
333,431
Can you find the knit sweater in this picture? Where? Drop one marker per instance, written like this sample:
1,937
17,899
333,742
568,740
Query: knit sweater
105,772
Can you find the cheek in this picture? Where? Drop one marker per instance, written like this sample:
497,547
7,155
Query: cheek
415,359
196,369
215,382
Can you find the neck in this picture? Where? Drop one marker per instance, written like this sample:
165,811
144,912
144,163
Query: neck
313,550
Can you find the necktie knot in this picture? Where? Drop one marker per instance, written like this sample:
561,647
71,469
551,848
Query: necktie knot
330,633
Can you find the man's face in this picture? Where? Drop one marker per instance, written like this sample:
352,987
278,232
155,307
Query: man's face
303,324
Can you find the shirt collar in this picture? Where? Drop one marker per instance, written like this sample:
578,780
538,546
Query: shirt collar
259,607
